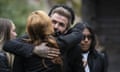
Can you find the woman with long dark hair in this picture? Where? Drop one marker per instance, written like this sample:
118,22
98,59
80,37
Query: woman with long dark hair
84,57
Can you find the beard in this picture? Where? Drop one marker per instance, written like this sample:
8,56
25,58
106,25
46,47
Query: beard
57,33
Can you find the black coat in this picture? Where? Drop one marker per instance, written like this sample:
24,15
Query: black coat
4,65
96,61
34,64
66,42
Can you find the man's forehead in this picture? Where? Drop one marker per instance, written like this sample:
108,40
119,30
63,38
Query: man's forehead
59,17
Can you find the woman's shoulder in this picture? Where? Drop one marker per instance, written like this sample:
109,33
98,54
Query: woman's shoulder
100,55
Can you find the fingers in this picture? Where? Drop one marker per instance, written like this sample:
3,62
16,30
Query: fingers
43,44
54,51
52,56
44,51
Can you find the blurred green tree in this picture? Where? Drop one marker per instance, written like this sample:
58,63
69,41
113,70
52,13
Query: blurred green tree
17,11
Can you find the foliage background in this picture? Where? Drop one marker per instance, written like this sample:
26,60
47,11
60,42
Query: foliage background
18,10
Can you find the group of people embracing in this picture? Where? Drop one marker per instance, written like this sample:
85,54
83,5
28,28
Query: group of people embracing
50,44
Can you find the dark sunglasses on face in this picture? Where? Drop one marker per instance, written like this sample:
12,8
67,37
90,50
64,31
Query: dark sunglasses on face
89,37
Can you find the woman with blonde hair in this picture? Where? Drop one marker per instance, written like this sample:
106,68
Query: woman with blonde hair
39,30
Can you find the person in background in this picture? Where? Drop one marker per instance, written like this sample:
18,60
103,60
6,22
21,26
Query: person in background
101,49
7,32
92,60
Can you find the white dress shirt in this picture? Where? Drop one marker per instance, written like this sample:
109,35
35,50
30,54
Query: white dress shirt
85,57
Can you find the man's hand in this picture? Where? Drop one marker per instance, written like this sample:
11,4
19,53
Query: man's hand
44,51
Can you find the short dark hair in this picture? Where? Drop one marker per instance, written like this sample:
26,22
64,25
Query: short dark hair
69,9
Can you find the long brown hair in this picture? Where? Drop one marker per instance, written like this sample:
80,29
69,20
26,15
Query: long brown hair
5,26
39,28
